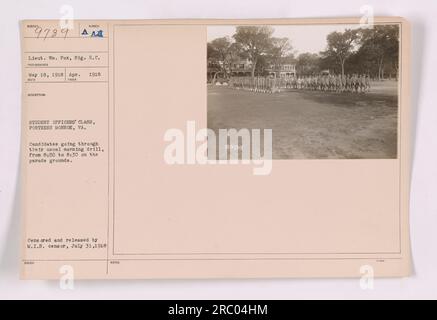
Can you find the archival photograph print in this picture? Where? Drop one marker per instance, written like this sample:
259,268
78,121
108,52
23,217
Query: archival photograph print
325,91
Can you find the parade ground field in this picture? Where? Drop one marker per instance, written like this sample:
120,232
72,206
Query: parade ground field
314,124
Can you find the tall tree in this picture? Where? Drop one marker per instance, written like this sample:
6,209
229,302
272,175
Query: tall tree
280,48
341,45
255,41
381,44
308,63
220,49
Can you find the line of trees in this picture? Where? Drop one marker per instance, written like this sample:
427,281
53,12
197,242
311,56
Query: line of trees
373,51
255,43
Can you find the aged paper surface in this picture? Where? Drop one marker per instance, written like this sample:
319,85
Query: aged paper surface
103,101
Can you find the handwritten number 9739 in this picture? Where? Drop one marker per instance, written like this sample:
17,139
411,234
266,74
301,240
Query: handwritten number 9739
44,33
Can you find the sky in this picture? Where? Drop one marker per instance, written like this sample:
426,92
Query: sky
303,38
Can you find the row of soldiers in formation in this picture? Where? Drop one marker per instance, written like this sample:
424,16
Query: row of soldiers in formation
334,83
337,83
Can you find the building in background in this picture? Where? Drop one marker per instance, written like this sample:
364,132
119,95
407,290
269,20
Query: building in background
283,70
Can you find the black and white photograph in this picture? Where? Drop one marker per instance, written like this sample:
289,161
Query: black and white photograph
326,91
218,159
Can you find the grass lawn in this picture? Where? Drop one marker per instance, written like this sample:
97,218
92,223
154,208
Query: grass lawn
312,124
